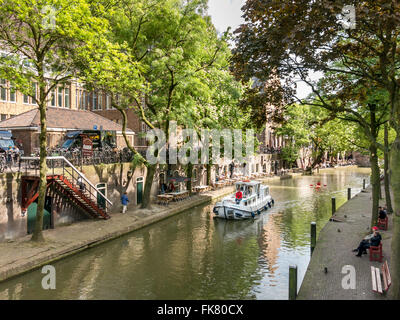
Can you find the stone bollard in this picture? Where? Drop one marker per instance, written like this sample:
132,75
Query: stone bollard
313,236
292,282
348,193
333,205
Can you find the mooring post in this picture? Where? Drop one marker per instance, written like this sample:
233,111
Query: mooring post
313,236
363,184
292,282
348,193
333,205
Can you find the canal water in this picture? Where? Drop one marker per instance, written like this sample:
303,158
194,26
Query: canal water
193,256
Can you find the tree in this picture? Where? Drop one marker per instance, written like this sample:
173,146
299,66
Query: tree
41,41
180,68
313,128
292,38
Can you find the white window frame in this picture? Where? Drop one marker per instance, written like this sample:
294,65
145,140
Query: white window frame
3,89
60,96
67,98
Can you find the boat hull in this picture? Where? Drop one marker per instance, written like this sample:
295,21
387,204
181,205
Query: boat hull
238,212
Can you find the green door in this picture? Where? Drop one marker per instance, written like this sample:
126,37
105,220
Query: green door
32,215
101,202
139,192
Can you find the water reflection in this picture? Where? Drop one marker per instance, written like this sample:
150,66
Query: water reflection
193,256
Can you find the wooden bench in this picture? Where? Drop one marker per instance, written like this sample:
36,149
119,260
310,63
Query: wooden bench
375,253
377,281
383,223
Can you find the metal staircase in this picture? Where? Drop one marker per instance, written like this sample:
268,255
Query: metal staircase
68,182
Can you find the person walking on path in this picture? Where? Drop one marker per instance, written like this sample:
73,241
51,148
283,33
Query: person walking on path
124,202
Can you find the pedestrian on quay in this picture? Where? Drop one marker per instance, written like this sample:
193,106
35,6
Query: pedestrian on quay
373,239
124,202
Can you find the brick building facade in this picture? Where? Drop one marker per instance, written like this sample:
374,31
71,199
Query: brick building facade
70,106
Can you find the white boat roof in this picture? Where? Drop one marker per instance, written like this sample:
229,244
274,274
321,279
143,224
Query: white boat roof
249,183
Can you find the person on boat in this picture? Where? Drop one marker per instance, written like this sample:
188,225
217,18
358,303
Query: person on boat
238,196
372,240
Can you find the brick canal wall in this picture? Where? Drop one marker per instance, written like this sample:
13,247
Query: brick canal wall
21,255
117,177
12,224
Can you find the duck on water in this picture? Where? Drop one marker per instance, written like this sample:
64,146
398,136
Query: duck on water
250,199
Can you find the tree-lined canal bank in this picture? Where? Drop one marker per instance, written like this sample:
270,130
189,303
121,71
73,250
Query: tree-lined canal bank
193,256
334,252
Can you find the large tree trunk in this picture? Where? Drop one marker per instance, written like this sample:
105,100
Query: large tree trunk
189,171
151,169
386,173
208,168
37,232
375,182
395,184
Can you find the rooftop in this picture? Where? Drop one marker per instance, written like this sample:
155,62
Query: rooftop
62,119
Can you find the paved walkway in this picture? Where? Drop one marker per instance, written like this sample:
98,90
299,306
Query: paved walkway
333,250
22,255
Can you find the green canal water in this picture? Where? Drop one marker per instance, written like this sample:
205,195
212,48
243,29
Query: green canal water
193,256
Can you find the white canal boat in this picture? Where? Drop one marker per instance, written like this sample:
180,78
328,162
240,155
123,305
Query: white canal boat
256,199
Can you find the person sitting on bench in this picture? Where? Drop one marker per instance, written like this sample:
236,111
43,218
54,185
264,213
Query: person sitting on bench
373,240
382,213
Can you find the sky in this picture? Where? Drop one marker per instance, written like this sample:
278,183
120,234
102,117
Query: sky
225,13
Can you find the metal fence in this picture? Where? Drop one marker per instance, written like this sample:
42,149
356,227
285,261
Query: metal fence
74,157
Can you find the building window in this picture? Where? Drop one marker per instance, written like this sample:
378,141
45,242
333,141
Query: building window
108,102
84,100
78,99
26,98
100,106
53,98
94,101
60,97
3,117
3,90
13,97
66,98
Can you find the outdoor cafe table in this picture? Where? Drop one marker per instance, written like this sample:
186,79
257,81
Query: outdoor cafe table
180,195
164,198
201,188
220,184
